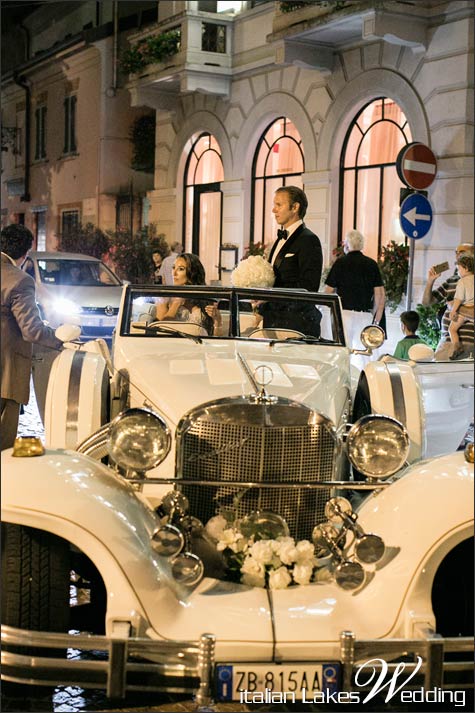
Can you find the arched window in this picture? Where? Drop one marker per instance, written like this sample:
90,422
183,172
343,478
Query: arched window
369,184
203,203
278,161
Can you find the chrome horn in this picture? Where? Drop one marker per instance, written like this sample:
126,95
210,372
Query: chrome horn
329,540
172,538
368,548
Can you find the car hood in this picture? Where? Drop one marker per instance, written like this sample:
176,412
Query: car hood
186,374
82,295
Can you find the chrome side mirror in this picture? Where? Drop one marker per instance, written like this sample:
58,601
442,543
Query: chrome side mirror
372,337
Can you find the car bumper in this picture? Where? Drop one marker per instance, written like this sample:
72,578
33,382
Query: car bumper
125,664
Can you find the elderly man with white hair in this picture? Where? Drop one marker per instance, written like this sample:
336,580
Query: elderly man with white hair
357,280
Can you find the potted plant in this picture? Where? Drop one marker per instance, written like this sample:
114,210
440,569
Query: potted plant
394,265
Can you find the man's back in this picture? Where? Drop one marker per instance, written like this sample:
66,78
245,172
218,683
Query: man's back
20,326
166,269
354,276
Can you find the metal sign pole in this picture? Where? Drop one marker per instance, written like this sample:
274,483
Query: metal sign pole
412,249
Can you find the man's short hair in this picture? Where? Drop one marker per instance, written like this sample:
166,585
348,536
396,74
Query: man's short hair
296,195
465,248
177,247
410,320
16,240
355,240
465,261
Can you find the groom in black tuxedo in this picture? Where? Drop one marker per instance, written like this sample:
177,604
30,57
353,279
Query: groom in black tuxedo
296,257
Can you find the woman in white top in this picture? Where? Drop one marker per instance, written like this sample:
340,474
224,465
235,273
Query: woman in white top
188,270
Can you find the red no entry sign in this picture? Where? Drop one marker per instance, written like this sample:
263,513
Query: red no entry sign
416,165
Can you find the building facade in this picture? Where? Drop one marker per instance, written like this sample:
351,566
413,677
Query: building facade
66,121
314,75
246,96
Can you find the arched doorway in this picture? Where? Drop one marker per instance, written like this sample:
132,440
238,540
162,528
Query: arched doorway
203,203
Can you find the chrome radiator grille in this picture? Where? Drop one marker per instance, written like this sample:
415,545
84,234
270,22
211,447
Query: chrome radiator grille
216,446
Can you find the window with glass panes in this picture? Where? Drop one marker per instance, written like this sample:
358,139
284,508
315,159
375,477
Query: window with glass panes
40,138
70,124
278,161
203,166
69,221
369,184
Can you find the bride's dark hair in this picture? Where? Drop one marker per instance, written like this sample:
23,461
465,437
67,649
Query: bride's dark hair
195,275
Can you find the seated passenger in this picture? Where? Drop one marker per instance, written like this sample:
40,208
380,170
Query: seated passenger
188,270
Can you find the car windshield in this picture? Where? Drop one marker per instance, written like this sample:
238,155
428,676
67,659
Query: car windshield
218,312
87,273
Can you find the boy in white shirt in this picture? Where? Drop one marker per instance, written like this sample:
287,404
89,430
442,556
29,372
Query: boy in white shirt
463,297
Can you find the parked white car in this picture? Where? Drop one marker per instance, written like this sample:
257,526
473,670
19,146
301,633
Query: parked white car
332,534
76,287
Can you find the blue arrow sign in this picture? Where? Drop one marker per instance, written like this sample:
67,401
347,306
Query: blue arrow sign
415,216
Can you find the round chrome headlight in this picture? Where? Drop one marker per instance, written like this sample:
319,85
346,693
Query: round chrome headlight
377,446
138,440
372,336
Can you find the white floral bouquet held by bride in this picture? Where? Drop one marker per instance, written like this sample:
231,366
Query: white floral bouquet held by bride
254,271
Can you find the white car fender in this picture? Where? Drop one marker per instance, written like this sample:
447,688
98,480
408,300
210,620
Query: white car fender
420,395
392,387
438,496
77,397
85,503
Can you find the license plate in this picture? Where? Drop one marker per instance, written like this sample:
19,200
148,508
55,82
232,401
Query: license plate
263,683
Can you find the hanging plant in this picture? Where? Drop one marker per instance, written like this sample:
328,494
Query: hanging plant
142,136
152,49
394,265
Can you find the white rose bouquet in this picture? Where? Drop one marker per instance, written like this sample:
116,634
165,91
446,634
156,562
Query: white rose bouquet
253,557
254,271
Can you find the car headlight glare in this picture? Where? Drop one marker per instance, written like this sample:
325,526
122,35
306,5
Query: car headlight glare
372,336
138,440
377,446
63,305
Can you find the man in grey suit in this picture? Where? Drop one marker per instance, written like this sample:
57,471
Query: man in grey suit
296,257
21,325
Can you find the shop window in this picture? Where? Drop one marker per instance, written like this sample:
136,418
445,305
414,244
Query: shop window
278,161
369,184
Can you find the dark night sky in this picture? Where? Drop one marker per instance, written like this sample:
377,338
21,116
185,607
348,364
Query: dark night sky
13,11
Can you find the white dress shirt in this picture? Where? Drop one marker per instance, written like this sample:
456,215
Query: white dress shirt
291,229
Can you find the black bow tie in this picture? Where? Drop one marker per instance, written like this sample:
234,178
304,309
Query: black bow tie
282,234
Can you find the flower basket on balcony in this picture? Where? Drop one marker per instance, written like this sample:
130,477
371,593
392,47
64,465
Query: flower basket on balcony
394,265
151,50
291,5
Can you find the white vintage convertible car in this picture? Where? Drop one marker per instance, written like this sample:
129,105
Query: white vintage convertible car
248,523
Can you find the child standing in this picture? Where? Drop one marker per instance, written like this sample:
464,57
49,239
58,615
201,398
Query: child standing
463,297
409,327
